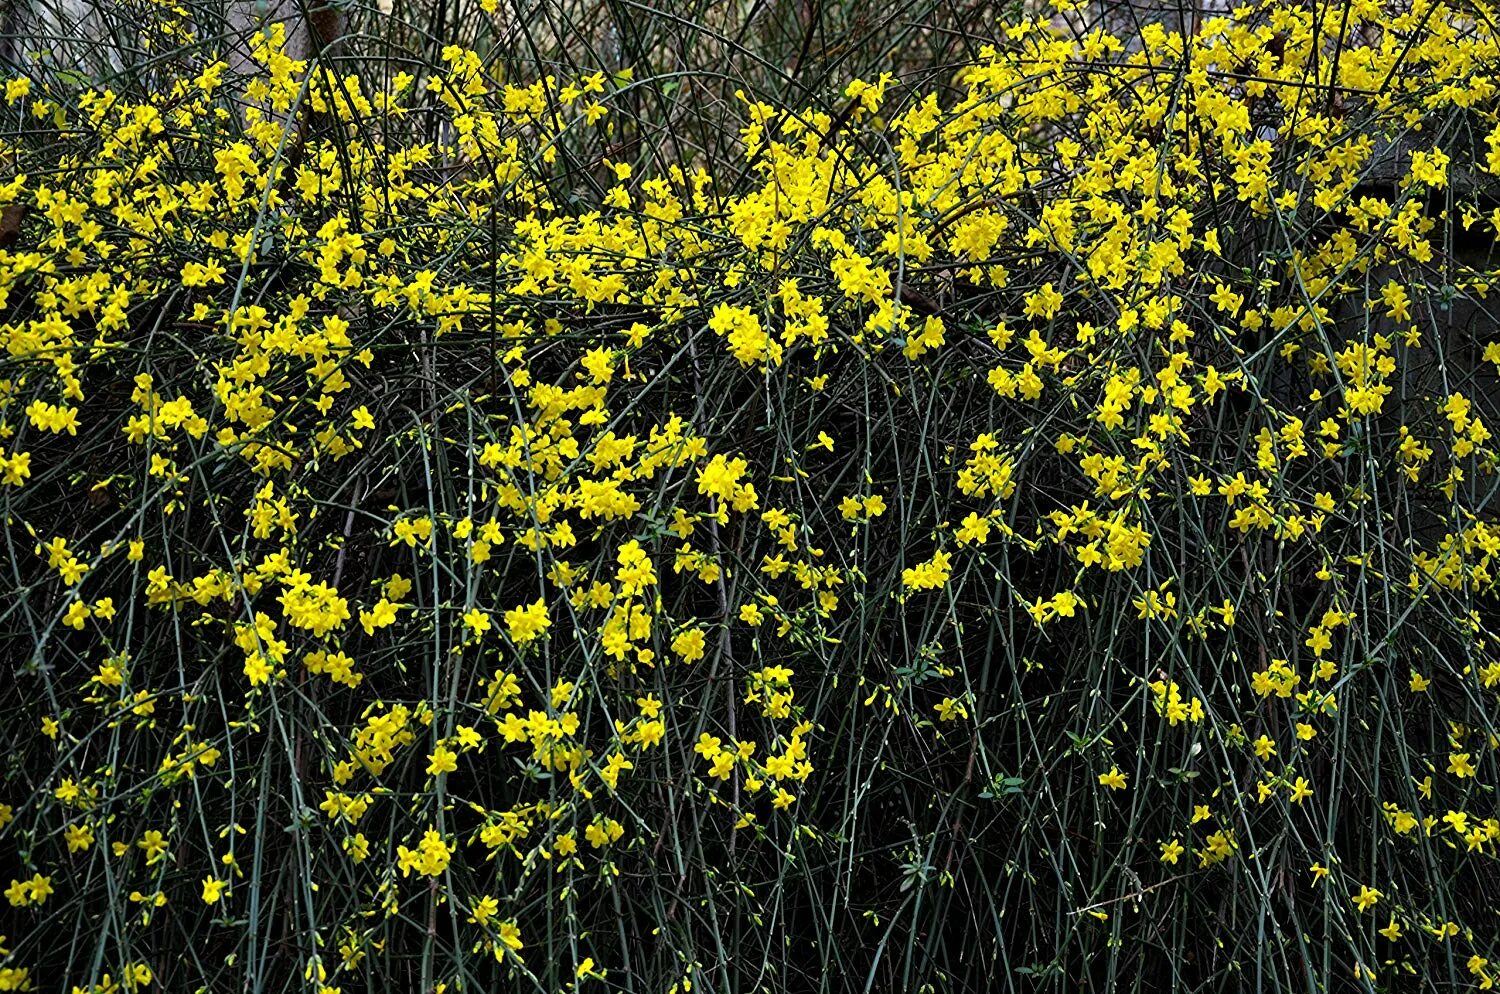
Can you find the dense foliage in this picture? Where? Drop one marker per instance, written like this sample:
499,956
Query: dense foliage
1033,528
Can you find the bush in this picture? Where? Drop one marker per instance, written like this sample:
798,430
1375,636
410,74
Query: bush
1030,525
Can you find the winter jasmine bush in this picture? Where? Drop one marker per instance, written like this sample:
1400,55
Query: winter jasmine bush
1030,524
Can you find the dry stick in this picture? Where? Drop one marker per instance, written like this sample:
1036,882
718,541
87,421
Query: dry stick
726,645
338,572
953,839
726,653
1142,892
427,981
324,26
338,566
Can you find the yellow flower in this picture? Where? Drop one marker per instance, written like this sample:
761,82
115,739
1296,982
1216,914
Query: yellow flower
79,837
1459,765
689,644
527,622
77,613
212,889
510,936
949,709
1114,779
430,857
441,760
154,844
484,909
476,621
